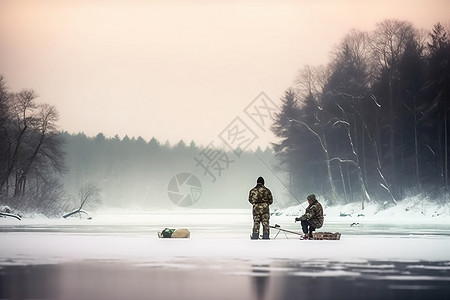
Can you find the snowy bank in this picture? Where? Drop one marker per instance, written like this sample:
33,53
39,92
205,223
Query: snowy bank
412,209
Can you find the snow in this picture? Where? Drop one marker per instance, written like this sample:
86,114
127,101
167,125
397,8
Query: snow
37,248
412,209
224,234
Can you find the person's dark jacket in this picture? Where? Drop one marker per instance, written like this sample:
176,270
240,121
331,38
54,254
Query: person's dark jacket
313,214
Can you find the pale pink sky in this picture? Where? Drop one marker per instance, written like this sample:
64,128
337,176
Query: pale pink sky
176,69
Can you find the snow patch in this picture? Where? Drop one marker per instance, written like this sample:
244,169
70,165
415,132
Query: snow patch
412,208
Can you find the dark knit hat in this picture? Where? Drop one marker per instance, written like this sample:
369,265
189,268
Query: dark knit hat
311,198
260,180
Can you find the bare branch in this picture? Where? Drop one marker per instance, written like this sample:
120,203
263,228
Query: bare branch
312,131
89,194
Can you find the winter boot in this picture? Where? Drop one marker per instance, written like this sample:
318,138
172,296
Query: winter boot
265,236
304,237
254,236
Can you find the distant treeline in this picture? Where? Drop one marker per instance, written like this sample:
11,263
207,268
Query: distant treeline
374,123
135,173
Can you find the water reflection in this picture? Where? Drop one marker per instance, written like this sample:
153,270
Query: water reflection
205,280
260,280
368,280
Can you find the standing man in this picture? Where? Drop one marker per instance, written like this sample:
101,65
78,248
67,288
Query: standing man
313,217
260,197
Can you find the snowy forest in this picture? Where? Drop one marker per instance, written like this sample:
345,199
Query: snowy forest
373,125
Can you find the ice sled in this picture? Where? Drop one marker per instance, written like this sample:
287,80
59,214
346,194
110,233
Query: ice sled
182,233
326,236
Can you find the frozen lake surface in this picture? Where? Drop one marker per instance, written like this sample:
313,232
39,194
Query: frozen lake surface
119,256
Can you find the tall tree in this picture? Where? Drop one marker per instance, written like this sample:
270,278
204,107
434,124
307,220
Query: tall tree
343,97
437,110
310,81
31,150
21,110
411,83
388,43
4,144
287,134
43,145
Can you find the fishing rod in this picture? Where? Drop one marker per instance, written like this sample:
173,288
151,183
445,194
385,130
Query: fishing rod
279,179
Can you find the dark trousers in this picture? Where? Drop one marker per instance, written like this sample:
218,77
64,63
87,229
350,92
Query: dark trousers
307,228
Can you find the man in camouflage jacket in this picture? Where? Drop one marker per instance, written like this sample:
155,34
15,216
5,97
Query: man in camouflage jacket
313,217
260,197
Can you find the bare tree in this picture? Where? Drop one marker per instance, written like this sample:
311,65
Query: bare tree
89,195
4,99
357,43
21,108
310,80
44,127
4,145
31,153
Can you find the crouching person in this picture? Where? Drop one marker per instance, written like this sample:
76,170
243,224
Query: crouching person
313,217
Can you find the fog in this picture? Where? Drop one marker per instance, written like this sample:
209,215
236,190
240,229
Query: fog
134,173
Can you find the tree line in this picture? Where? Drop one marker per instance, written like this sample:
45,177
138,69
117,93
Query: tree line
372,125
133,172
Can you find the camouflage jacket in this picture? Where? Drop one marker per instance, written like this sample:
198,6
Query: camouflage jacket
314,214
260,197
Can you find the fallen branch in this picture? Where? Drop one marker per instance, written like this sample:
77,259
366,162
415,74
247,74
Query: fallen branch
77,211
10,215
88,194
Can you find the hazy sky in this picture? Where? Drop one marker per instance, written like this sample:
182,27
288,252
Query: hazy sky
176,69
